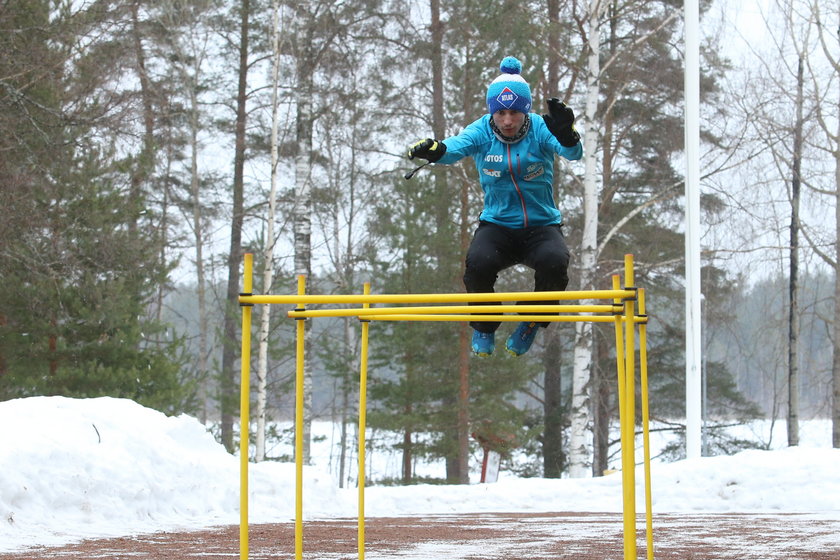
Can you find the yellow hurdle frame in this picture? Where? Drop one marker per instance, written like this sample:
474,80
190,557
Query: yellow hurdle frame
626,310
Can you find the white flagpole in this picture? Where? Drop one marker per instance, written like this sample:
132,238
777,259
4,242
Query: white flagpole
693,377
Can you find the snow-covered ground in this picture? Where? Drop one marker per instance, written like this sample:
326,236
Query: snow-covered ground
79,468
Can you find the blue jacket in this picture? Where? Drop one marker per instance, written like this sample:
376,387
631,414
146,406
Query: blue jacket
516,178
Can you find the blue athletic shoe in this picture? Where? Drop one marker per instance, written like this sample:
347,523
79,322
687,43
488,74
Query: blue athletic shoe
483,343
522,338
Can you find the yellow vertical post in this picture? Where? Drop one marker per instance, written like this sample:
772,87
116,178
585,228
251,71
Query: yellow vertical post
300,346
244,407
621,362
645,421
363,366
628,430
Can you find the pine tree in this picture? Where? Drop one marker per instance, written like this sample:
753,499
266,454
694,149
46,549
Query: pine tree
81,255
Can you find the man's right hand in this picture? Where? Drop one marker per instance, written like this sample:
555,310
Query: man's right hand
428,149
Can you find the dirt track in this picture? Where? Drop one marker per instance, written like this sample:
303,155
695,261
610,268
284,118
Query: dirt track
582,536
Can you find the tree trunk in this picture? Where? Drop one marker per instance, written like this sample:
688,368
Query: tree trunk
198,236
554,459
601,407
145,160
229,352
463,475
350,384
268,250
553,78
2,357
303,225
465,333
793,288
406,457
407,451
344,388
457,466
580,440
835,363
552,444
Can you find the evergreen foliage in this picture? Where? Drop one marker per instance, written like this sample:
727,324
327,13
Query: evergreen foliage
81,257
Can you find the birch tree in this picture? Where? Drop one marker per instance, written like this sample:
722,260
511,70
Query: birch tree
580,441
270,237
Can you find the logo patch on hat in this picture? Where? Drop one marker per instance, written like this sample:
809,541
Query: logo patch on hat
507,98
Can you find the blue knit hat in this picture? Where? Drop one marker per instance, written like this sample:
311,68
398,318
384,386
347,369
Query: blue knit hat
509,90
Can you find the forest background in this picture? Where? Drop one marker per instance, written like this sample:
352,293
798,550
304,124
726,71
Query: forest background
148,145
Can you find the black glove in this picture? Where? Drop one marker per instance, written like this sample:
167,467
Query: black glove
428,149
560,120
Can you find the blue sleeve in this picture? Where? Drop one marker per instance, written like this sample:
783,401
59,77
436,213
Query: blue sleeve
472,140
572,154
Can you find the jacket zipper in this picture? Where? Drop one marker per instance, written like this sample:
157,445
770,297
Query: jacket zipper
516,185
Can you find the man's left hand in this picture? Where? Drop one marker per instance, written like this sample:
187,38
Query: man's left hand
560,120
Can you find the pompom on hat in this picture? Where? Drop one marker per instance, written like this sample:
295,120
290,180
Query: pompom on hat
509,90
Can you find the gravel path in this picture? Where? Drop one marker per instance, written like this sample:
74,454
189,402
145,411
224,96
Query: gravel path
579,536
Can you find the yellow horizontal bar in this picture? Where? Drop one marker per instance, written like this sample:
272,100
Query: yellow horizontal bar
454,309
438,298
502,318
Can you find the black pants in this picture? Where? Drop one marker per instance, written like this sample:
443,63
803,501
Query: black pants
495,248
